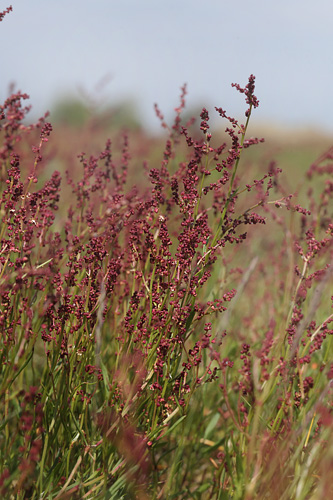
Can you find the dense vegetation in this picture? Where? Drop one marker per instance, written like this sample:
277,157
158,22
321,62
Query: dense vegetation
165,314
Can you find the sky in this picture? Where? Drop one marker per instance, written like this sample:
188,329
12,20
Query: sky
145,50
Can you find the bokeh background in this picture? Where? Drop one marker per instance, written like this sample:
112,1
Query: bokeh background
141,52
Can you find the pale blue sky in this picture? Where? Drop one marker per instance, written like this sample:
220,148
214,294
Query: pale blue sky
150,48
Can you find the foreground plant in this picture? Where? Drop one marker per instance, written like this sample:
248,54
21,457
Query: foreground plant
126,370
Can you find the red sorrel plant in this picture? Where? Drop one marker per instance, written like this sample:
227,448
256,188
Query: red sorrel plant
137,362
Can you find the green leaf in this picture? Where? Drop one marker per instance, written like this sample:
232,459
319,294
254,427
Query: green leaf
212,424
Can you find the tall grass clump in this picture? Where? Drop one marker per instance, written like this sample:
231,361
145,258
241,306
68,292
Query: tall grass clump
155,343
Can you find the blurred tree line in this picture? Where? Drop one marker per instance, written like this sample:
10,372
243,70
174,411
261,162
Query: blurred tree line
73,112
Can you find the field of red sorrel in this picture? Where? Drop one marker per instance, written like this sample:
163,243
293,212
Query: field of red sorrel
165,314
